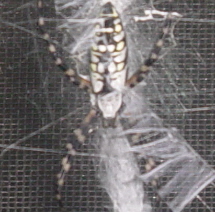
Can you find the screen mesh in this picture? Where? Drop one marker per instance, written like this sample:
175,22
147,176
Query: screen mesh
40,108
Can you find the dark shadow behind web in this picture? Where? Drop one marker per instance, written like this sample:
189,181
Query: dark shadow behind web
40,109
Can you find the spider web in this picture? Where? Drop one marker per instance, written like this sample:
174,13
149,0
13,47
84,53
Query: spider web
39,108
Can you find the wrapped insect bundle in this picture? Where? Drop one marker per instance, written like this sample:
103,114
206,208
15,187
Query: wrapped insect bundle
181,172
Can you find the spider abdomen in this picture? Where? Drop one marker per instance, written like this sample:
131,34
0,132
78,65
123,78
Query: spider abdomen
108,59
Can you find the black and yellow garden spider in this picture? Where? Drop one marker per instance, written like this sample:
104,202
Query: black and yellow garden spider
108,70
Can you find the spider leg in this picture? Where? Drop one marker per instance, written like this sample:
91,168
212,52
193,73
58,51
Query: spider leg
77,79
80,134
140,74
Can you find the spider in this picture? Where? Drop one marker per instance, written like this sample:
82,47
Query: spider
108,72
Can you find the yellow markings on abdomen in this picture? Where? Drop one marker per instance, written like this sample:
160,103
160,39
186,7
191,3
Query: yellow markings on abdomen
93,67
121,56
119,36
120,46
120,66
118,28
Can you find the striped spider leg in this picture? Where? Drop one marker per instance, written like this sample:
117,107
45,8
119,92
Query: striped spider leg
107,77
73,75
80,134
169,19
140,74
78,79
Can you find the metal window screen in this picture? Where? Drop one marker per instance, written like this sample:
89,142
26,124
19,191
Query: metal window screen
40,108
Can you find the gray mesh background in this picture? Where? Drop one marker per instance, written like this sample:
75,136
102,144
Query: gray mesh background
39,109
